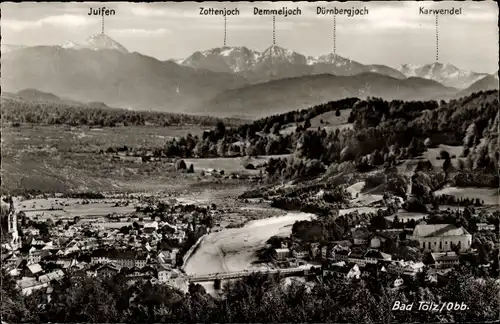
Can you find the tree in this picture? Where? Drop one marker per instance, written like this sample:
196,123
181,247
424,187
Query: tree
220,130
337,112
444,154
379,223
180,165
447,165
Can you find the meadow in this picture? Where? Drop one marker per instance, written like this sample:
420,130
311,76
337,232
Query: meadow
51,159
34,138
328,120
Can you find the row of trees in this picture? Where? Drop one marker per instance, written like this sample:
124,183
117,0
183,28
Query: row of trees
77,114
255,299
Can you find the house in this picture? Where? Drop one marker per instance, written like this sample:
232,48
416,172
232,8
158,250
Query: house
485,227
342,270
378,239
299,253
141,260
35,256
54,275
326,252
314,250
108,270
32,270
341,255
168,257
360,237
373,256
398,282
29,285
142,273
281,254
164,274
442,237
443,260
13,261
125,259
358,258
179,236
405,267
150,227
344,243
66,263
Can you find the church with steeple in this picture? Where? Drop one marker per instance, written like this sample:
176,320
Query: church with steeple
13,241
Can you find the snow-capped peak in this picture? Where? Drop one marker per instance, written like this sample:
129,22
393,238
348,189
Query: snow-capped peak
102,41
445,73
223,59
277,51
280,54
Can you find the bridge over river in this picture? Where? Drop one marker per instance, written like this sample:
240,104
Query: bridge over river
241,274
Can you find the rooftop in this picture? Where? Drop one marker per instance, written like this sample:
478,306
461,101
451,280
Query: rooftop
439,230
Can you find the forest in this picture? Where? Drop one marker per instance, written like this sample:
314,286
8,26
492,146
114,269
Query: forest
385,133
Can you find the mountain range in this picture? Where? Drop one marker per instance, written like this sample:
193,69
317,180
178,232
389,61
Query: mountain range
113,76
278,63
231,81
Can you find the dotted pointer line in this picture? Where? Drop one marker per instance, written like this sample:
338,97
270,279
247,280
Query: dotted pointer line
274,30
437,39
225,30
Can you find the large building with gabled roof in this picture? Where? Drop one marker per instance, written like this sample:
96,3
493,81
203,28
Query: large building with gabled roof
442,237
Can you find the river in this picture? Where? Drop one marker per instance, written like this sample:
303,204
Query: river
234,249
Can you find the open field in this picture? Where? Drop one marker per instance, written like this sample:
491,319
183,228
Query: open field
62,159
68,208
432,153
235,164
85,139
64,172
330,122
329,119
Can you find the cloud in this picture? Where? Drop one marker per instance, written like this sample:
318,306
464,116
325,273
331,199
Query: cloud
146,11
152,11
248,26
140,32
64,21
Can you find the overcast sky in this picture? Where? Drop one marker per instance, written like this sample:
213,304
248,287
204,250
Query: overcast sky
393,33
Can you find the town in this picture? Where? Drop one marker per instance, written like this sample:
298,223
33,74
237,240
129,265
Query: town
152,241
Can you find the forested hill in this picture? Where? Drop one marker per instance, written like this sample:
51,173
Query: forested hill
383,133
19,108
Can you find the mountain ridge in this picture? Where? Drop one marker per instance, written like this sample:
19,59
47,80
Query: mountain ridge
446,73
128,80
278,96
276,62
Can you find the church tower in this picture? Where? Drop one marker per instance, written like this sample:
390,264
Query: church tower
12,226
